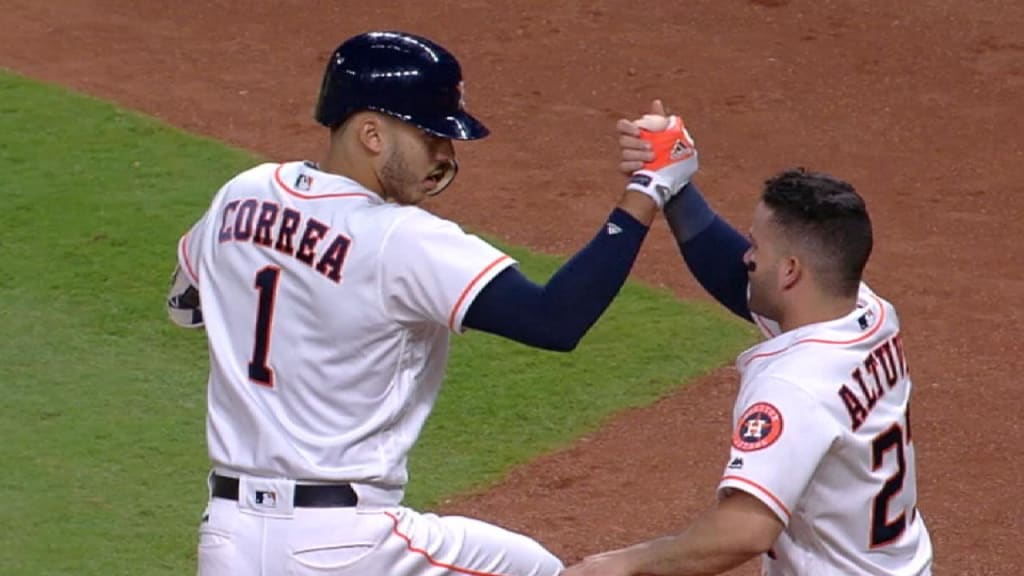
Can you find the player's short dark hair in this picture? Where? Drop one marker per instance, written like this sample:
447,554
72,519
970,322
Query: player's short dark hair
826,217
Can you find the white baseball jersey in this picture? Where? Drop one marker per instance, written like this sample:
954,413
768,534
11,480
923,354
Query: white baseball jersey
328,313
822,436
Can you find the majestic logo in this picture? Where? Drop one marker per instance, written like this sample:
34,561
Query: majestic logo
736,464
759,427
613,228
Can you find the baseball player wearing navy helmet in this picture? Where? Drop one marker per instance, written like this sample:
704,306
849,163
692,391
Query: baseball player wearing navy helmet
328,296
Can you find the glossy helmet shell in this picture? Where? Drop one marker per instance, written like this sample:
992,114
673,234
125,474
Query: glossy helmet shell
399,74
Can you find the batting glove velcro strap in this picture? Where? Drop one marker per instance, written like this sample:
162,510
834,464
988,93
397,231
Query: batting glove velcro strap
675,158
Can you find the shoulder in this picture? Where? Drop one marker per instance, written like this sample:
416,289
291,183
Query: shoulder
415,237
412,220
416,216
245,180
782,397
876,317
779,383
417,233
867,298
809,366
240,182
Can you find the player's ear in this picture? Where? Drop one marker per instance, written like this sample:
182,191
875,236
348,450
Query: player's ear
370,130
790,271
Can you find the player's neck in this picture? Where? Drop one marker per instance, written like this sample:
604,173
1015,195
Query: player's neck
336,161
814,309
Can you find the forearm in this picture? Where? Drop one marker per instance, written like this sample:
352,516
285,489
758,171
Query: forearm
698,551
739,528
557,315
713,544
712,249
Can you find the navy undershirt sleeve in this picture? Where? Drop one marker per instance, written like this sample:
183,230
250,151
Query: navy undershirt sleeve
712,248
555,316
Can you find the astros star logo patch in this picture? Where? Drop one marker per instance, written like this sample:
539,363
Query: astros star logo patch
759,427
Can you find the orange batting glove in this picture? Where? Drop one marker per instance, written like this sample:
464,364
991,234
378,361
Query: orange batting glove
675,158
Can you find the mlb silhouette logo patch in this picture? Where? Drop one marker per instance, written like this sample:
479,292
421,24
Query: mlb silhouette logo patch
759,427
304,182
266,498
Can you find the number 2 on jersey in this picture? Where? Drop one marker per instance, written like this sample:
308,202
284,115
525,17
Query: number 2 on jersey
883,531
266,284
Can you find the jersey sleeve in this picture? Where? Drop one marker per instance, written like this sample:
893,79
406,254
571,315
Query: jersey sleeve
188,250
780,434
190,245
183,305
431,270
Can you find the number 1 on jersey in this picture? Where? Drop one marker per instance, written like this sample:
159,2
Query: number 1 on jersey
266,283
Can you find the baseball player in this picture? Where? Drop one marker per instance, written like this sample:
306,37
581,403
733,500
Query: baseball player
821,478
328,297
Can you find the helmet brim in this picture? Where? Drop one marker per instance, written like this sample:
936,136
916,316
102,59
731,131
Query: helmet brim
461,126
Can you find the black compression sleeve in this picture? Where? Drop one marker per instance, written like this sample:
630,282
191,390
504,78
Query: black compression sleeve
715,258
713,250
557,315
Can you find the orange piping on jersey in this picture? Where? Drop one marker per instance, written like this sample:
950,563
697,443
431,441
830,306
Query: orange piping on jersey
425,554
188,264
763,326
469,287
870,333
762,489
297,194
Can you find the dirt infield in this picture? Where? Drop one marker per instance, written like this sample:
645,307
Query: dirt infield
916,103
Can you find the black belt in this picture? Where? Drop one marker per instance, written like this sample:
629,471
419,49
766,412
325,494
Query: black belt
306,495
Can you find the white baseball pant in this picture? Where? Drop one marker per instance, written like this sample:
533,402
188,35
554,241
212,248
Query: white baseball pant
262,535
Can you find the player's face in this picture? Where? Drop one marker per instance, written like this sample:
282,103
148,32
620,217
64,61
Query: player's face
763,260
417,165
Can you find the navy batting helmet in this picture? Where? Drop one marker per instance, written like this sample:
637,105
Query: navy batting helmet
399,74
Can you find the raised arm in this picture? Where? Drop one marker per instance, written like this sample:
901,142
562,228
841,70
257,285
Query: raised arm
713,250
556,315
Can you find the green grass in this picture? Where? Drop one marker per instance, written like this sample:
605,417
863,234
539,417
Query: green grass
503,402
103,400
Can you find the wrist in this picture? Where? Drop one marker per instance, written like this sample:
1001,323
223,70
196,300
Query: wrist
652,185
640,205
688,213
